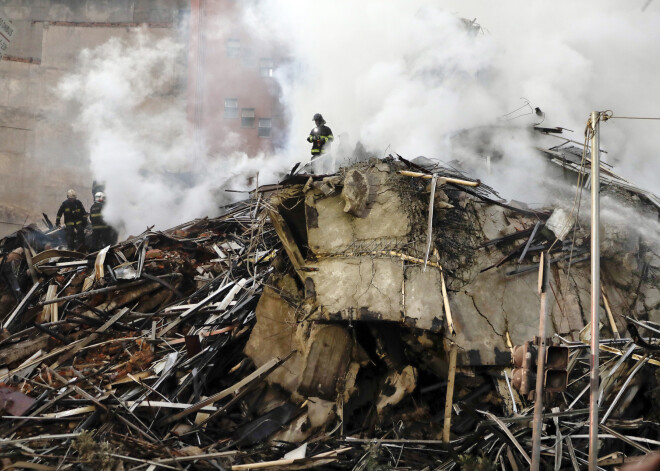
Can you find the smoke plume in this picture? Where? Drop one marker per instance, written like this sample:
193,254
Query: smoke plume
139,141
407,77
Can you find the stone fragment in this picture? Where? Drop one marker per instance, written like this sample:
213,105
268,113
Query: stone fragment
355,193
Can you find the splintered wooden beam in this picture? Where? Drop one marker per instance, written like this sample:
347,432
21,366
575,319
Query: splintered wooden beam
288,241
23,349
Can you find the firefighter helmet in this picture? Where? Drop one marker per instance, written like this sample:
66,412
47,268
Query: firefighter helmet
318,117
99,197
71,194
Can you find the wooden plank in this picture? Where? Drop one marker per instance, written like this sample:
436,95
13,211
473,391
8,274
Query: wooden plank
261,372
167,405
132,378
205,334
70,412
634,356
610,317
441,180
55,253
429,229
28,258
3,377
445,300
290,461
98,263
50,312
195,308
511,458
326,361
29,465
94,291
208,456
288,241
37,438
449,400
24,302
23,349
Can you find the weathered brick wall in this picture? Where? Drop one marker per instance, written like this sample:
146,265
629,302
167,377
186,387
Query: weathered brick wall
39,158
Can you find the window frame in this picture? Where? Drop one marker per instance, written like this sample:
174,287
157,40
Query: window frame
269,127
266,67
231,112
243,117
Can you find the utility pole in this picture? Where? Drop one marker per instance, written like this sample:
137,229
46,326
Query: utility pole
595,289
544,272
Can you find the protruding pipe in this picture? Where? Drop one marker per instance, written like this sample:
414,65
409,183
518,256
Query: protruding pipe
595,289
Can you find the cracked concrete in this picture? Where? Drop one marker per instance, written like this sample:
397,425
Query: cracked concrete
376,296
336,231
365,267
483,314
485,318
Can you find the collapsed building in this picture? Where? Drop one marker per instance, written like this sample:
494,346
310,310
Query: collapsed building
325,322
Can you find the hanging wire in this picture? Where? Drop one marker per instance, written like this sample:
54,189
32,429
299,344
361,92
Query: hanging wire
577,200
525,105
630,117
609,114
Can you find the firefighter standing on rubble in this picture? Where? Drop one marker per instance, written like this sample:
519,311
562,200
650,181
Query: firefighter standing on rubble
320,137
75,220
102,233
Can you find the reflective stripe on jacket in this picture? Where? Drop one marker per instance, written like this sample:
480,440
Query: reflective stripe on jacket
73,211
96,216
320,137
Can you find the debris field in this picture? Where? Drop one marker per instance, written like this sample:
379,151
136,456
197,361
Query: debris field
361,320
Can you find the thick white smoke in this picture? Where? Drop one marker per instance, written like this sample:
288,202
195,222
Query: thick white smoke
140,142
405,77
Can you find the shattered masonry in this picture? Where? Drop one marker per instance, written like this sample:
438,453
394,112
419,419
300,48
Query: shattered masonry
316,317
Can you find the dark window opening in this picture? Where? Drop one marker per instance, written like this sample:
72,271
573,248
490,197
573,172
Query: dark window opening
247,117
265,127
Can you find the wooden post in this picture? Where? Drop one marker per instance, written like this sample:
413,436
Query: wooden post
449,401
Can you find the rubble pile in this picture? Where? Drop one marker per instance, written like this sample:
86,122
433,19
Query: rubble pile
361,320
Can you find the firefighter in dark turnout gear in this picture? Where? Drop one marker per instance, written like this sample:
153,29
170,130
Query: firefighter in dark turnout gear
320,137
75,220
102,233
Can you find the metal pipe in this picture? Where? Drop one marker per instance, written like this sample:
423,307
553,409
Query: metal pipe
595,289
544,272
